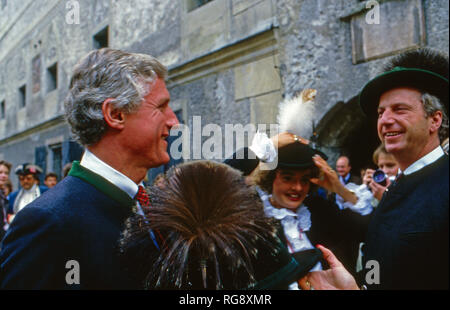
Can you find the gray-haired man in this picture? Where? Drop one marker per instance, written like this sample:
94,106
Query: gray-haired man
118,108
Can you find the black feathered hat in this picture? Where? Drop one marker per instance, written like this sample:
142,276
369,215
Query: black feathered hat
423,69
298,155
27,168
216,235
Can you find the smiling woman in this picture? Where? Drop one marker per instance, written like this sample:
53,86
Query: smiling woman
305,219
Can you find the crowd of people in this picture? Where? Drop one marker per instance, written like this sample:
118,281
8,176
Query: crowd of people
239,224
11,202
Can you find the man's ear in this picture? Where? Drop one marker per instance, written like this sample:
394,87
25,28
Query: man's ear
113,116
435,121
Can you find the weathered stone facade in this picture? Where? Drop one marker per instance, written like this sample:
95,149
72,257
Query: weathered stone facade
230,61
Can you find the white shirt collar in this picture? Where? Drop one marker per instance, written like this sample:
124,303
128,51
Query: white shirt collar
302,214
95,164
424,161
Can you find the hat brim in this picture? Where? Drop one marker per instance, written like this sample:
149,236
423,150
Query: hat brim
301,263
298,156
244,160
402,77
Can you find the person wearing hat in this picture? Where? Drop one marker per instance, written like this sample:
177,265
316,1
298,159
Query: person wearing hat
408,236
30,189
261,150
216,235
305,218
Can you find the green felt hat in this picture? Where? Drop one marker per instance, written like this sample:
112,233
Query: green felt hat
421,79
279,270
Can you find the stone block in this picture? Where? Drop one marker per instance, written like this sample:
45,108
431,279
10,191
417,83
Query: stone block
240,5
2,128
252,17
51,105
264,109
36,74
206,28
22,123
401,26
256,78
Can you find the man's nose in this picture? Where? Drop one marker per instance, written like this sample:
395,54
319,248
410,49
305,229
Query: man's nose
172,119
385,117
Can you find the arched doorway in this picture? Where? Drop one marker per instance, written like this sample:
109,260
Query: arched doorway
346,130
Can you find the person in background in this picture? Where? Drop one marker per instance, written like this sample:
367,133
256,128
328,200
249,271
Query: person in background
159,179
387,163
343,168
5,169
30,190
51,179
370,192
8,188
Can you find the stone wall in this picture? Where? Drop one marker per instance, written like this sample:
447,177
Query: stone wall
230,61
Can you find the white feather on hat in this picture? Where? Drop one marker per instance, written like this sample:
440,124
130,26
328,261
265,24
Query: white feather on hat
296,115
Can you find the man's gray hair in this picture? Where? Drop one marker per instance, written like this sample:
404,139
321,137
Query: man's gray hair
432,104
124,77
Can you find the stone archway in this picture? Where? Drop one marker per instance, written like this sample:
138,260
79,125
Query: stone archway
346,130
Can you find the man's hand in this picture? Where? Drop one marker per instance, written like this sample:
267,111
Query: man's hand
335,278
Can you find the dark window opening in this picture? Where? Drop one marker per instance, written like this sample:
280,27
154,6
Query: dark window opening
193,4
101,38
57,159
52,77
2,110
22,96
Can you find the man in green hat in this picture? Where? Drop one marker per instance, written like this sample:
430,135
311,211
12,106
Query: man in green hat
407,245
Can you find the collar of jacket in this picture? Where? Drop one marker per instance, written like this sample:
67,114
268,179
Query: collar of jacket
101,184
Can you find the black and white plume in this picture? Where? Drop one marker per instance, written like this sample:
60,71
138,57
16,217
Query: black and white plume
296,115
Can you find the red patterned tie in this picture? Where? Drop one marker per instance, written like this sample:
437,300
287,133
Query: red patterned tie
142,197
144,201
